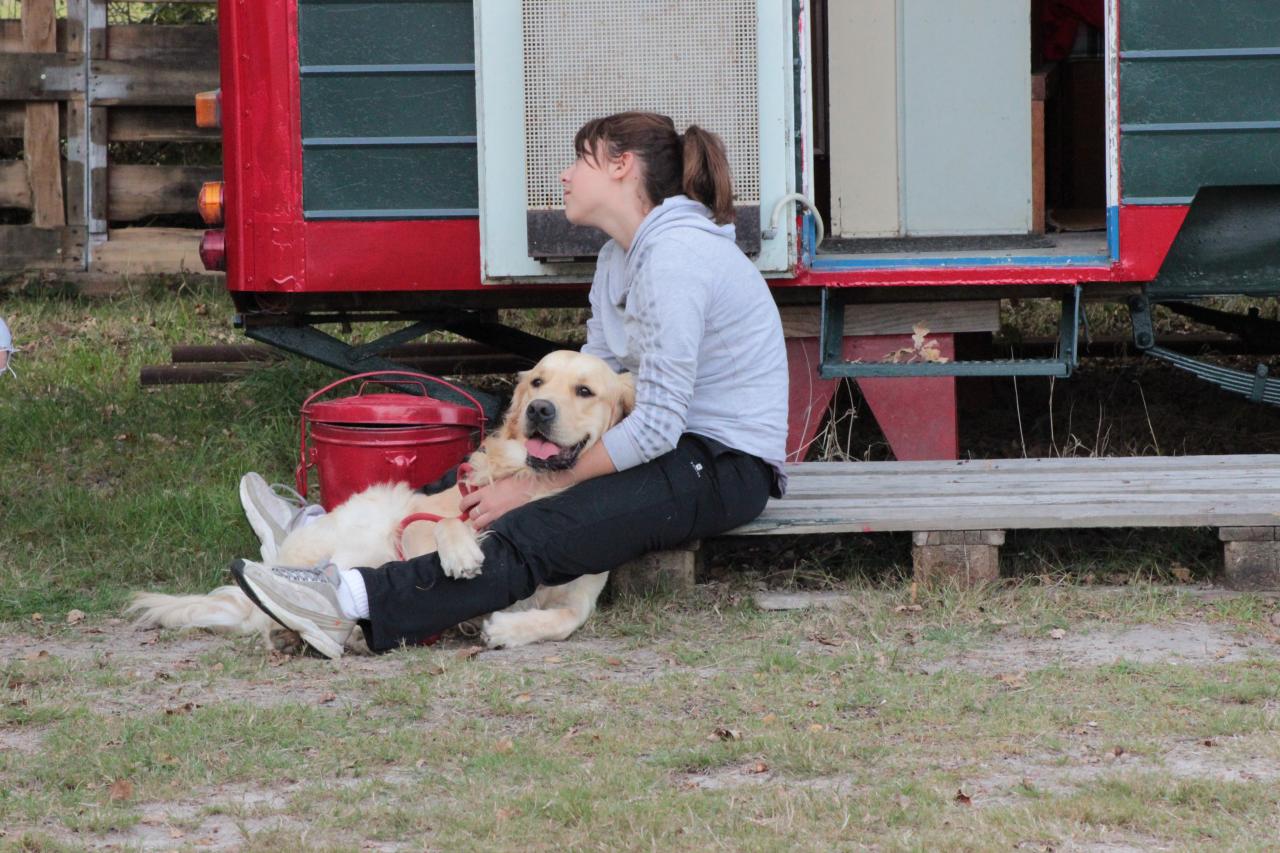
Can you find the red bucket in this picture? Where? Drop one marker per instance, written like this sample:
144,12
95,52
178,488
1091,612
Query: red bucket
358,441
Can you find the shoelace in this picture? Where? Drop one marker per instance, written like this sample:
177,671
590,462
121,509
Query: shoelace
298,574
301,508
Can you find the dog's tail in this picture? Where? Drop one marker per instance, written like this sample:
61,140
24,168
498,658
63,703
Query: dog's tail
225,609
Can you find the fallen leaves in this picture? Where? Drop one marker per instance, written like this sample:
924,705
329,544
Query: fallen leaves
921,349
75,617
1057,634
120,790
721,733
1180,572
185,708
962,798
469,652
1013,680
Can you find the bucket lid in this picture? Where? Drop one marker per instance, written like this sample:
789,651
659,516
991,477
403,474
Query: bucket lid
400,409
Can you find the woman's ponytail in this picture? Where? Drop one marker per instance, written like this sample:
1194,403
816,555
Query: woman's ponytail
706,175
694,164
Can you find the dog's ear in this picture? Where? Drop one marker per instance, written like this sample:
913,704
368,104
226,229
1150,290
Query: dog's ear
626,396
511,423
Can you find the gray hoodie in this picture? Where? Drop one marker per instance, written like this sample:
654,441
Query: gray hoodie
692,318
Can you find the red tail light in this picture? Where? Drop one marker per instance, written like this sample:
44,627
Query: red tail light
213,250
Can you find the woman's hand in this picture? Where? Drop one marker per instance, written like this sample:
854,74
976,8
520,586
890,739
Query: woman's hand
488,503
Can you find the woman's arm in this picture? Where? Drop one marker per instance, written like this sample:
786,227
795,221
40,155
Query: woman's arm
489,503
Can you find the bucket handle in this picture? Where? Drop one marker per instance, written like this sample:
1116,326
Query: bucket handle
305,464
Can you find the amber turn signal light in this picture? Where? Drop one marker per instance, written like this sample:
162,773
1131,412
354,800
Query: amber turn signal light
209,109
209,203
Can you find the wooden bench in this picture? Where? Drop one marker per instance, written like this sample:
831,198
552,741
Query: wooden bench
958,511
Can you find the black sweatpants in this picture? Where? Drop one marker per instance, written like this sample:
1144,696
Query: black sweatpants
699,489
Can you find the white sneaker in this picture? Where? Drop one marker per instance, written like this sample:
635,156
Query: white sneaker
273,515
305,600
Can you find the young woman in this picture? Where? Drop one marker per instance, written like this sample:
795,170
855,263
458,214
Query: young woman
675,302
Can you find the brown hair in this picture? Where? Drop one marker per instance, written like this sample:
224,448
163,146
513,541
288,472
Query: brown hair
694,163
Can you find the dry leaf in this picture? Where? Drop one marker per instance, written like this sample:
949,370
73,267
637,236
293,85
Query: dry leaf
37,618
769,718
721,733
40,655
469,652
75,617
522,698
1057,634
816,727
1208,742
435,669
826,641
1012,680
551,659
186,708
504,745
759,767
963,799
1275,618
121,789
915,589
1118,751
326,698
908,608
1181,573
613,661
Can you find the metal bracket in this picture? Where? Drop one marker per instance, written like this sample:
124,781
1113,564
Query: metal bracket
310,342
833,366
1256,386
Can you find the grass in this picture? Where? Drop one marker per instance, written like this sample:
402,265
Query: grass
666,723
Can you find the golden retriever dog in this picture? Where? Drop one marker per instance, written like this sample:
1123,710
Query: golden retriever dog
585,398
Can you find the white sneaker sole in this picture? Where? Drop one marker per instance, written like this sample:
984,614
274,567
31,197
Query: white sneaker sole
310,631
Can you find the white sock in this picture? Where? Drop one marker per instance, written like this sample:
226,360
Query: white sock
353,598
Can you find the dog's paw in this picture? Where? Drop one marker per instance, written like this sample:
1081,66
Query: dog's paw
460,557
502,631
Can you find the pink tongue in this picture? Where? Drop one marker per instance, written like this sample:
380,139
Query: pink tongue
540,448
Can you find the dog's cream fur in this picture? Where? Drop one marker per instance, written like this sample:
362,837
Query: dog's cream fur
588,397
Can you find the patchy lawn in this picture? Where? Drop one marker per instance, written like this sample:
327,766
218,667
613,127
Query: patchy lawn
1106,713
973,722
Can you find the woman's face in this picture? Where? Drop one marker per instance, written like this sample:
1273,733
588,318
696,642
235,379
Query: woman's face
588,186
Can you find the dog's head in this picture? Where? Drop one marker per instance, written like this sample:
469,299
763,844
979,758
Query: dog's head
563,404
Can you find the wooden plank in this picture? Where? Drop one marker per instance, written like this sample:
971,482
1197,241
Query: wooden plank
132,42
42,148
24,247
158,124
40,76
149,251
977,491
168,80
893,318
11,35
127,124
140,191
1254,462
14,189
1151,513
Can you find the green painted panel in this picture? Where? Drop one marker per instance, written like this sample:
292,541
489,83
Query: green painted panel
387,32
1201,90
1226,246
1176,165
1190,24
389,105
371,178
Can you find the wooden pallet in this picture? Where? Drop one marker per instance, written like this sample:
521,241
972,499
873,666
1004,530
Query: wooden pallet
958,511
1167,491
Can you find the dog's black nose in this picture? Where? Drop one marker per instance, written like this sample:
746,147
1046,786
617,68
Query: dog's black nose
541,411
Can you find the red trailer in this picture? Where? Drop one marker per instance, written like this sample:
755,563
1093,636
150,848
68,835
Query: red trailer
389,160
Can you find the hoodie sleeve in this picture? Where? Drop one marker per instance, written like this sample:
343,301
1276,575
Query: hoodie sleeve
666,317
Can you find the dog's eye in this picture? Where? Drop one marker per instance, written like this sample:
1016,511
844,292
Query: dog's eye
535,383
584,391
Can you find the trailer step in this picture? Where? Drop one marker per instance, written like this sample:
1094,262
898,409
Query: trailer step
833,365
